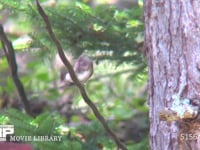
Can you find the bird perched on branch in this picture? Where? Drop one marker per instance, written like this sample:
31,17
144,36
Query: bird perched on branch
83,68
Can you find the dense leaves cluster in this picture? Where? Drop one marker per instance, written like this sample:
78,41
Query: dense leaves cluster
112,37
104,31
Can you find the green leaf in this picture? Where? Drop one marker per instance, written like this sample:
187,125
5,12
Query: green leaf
43,76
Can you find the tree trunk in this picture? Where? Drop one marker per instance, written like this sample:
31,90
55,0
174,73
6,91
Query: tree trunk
172,42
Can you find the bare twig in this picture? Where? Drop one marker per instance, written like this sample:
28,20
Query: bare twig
75,79
10,55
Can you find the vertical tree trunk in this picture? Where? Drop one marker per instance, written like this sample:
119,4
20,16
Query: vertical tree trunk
172,40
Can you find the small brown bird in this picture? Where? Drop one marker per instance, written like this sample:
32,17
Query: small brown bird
83,68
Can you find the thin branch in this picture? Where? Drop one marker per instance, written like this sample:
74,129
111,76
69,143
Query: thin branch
75,79
10,55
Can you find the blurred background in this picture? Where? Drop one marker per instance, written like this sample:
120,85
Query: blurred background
110,32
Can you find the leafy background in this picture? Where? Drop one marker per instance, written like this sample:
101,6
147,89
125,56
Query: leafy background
112,35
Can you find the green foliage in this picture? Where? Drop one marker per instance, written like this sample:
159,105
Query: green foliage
81,28
142,145
43,125
15,5
113,38
47,124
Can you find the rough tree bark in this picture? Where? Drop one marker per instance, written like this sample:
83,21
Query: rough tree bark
172,40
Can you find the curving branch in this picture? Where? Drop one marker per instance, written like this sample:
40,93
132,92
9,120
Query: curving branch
75,79
10,56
